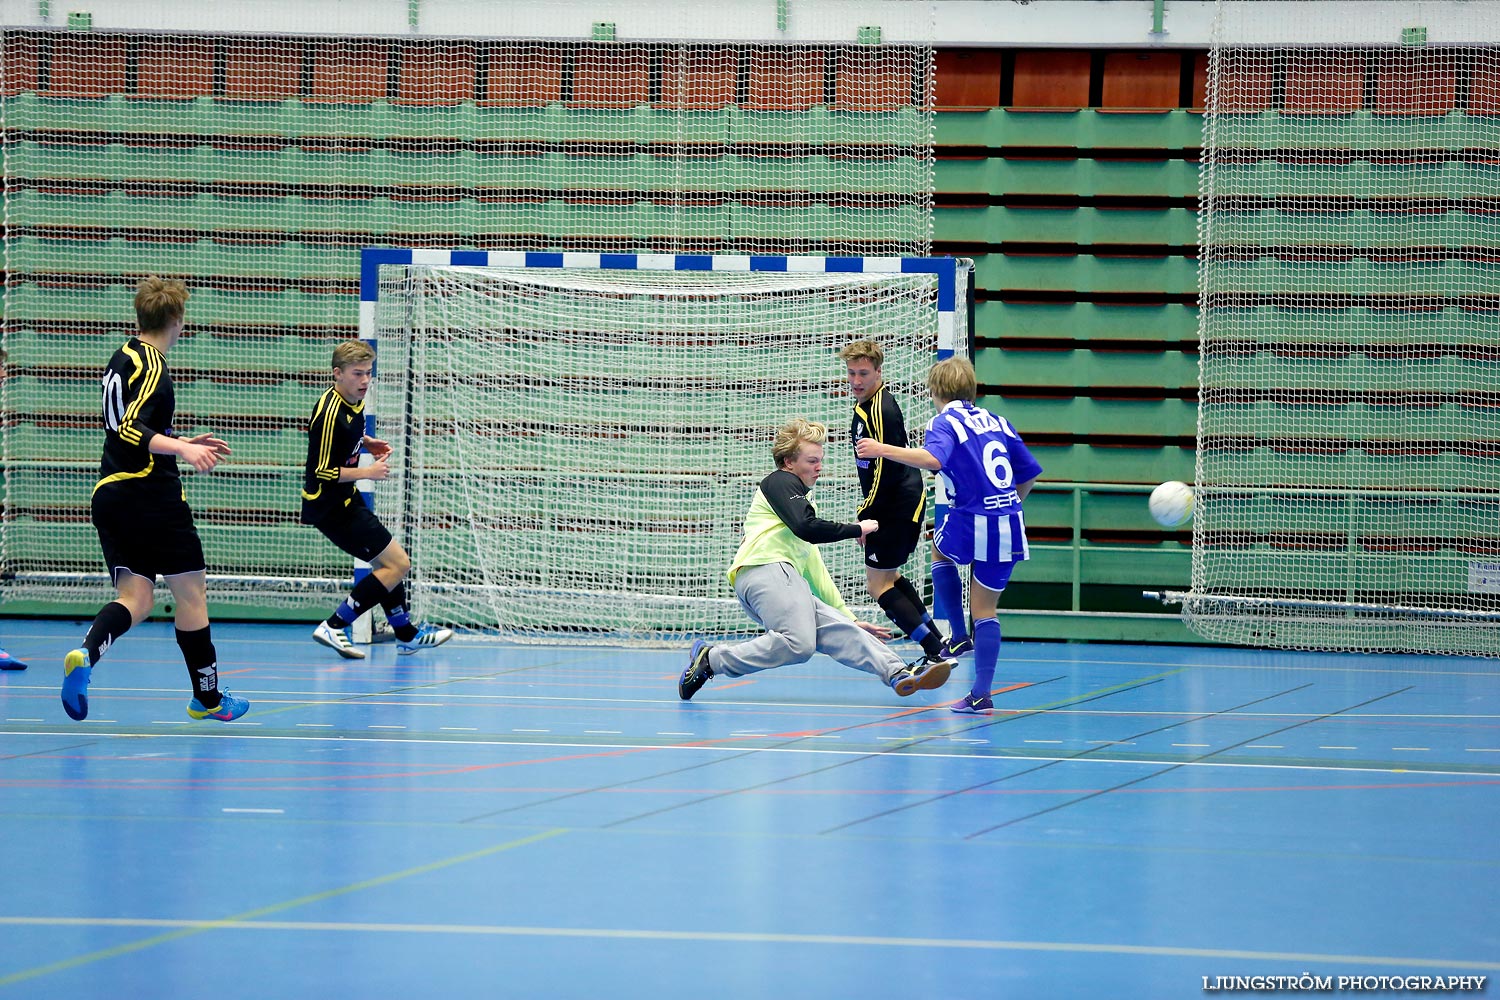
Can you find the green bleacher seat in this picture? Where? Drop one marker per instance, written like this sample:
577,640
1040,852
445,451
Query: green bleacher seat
1082,129
1084,226
1356,130
1070,368
1162,564
1071,177
1086,273
1171,323
1085,415
1082,463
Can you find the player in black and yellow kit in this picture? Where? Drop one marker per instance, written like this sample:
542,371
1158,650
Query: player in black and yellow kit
140,510
893,495
330,502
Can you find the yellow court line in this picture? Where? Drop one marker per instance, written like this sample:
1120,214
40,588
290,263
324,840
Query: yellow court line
749,937
189,928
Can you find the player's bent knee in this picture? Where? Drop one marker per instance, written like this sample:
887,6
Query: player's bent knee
393,558
799,647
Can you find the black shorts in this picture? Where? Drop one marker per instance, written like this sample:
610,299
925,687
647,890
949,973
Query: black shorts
145,534
356,530
900,532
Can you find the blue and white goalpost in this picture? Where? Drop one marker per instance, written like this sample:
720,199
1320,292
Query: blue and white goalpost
577,435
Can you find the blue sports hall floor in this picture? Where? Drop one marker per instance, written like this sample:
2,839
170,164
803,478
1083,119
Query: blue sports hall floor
483,820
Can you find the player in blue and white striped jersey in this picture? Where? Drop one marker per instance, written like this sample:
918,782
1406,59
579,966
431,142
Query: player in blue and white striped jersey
989,471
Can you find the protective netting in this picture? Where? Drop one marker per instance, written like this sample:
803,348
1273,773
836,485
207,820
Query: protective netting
256,167
575,450
1349,419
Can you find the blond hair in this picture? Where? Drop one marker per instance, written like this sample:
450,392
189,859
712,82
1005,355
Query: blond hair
863,349
352,352
159,301
793,434
951,379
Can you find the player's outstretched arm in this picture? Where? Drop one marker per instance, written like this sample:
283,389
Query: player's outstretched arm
202,457
217,444
919,458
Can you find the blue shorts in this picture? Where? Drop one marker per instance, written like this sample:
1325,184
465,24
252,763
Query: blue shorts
991,544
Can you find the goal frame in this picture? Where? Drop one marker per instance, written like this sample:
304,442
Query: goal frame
953,276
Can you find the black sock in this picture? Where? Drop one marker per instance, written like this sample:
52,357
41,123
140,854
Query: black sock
366,594
112,621
396,614
909,618
932,646
202,665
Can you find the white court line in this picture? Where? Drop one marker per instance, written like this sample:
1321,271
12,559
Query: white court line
676,734
1265,746
601,732
170,722
343,743
313,698
314,725
25,720
1411,748
385,727
1482,749
1338,748
459,729
753,937
531,730
1195,745
271,811
1041,741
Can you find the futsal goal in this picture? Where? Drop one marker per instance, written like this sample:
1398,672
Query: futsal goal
578,435
1349,415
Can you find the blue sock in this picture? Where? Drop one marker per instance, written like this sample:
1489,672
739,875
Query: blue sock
986,655
948,599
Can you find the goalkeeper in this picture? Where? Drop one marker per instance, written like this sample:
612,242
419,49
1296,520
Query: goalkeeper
331,503
894,496
782,584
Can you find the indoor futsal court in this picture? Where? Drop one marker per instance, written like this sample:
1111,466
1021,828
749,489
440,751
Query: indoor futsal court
1150,347
509,821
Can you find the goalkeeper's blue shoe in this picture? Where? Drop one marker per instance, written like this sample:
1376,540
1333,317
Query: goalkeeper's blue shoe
76,675
922,674
697,672
427,636
228,709
8,662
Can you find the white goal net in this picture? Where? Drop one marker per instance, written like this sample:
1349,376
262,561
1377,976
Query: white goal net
1349,421
575,449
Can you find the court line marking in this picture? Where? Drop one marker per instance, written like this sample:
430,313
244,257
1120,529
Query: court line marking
1120,688
736,753
189,928
1481,771
1170,769
1080,755
744,937
312,699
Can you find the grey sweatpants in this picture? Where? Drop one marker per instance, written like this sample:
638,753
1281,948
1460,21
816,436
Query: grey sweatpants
797,625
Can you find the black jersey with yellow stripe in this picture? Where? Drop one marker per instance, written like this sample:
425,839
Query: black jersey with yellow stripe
887,486
138,405
334,435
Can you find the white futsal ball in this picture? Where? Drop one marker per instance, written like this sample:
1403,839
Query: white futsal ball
1172,504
